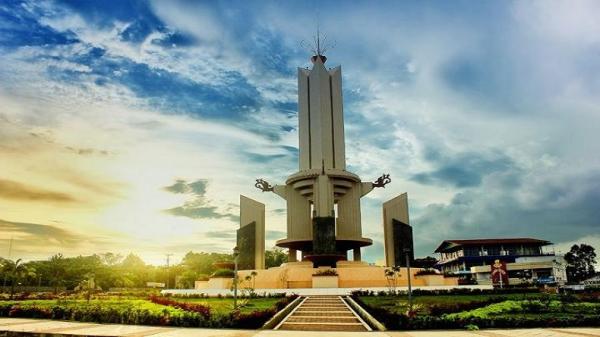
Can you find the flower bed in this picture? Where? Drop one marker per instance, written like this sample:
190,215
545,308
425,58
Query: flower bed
157,311
506,314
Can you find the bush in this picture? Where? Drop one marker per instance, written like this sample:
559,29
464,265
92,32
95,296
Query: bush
203,310
202,277
442,309
161,311
326,272
494,316
223,273
453,291
427,271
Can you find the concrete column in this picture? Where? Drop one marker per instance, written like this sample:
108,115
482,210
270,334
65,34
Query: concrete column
252,212
292,255
394,209
356,255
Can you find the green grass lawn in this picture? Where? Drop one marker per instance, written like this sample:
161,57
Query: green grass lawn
399,304
550,309
107,304
224,305
219,306
485,310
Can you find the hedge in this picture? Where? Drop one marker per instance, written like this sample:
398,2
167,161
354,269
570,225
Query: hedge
398,321
172,314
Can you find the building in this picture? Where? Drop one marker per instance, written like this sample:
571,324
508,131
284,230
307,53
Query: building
458,256
540,270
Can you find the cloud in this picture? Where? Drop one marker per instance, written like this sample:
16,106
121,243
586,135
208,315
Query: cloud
32,240
487,117
463,170
16,191
227,234
198,206
275,235
39,234
181,186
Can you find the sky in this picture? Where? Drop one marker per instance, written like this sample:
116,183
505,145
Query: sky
134,126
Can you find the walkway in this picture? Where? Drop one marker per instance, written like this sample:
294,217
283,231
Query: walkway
63,328
323,313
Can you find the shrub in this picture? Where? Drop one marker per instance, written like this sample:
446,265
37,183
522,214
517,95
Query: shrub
173,313
326,272
202,277
427,271
223,273
203,310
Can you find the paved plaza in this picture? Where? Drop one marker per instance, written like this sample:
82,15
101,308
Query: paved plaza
58,328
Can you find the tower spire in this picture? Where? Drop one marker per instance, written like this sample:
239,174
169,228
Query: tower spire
319,46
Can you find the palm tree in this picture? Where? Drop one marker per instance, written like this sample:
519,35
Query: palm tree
16,271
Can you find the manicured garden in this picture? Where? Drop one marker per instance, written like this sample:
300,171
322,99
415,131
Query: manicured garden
151,309
481,309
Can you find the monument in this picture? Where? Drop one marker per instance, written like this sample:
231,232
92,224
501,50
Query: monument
251,235
323,199
323,207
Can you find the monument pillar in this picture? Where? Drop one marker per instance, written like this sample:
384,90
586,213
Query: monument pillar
397,231
356,254
251,235
292,255
322,189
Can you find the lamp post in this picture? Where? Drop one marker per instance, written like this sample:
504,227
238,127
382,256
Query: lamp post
236,253
406,252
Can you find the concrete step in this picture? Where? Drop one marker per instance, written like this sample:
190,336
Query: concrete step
320,313
323,313
323,327
331,306
321,319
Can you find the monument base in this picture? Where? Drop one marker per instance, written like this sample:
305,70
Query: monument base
351,274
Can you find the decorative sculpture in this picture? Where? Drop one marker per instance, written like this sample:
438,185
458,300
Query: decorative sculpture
263,185
382,181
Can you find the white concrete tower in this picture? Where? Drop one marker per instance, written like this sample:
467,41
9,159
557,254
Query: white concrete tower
321,118
322,183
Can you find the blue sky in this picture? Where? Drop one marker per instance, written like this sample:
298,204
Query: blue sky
135,125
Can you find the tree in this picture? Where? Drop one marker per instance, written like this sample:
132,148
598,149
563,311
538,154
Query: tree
580,262
15,272
426,262
56,268
88,287
187,279
391,275
275,257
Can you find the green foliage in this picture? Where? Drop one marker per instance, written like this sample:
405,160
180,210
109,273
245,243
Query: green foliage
326,272
509,311
391,276
202,263
426,262
145,312
581,260
110,271
427,271
224,273
471,327
275,257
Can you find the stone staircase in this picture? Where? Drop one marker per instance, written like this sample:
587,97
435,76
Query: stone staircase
323,313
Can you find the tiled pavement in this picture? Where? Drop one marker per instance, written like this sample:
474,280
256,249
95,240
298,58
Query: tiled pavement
91,329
